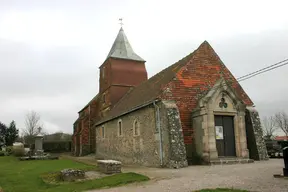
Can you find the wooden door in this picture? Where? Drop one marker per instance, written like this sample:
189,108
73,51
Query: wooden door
225,137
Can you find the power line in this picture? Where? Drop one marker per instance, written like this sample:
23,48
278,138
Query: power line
262,69
255,73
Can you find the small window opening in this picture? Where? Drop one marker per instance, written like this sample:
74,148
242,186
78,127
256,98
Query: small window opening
103,72
136,128
103,131
120,128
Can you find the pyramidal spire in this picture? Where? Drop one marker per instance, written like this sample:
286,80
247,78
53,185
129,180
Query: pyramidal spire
122,49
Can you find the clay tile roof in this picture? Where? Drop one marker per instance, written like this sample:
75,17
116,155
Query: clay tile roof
146,92
281,138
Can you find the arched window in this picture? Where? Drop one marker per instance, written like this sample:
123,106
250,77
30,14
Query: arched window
136,128
120,128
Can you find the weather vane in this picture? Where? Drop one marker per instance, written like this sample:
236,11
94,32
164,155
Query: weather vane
121,22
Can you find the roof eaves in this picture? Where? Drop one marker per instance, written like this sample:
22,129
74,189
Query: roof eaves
129,111
127,58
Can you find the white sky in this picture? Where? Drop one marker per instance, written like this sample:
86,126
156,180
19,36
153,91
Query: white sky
50,50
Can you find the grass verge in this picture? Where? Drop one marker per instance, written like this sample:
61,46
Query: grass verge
25,176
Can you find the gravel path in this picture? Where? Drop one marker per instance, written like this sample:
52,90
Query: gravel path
256,176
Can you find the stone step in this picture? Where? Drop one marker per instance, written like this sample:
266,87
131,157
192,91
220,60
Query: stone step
230,161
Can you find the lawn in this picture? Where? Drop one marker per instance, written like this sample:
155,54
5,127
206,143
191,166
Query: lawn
24,176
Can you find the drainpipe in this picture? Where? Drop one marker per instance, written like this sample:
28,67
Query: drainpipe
158,126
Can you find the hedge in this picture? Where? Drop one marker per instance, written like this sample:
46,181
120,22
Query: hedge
283,143
56,146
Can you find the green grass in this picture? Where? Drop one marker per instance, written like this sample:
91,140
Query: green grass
25,176
221,190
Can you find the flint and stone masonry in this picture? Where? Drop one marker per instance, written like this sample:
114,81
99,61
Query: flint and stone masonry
168,120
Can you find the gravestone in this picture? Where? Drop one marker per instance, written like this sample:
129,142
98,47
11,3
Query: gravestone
39,144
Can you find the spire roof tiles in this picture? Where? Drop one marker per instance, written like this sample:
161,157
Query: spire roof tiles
122,49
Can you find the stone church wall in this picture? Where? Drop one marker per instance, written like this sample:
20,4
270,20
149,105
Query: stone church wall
144,149
255,141
128,148
177,151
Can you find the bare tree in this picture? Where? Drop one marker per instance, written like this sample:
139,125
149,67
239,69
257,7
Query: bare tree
32,126
269,127
281,120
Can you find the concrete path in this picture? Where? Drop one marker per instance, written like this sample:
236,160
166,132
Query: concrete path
256,176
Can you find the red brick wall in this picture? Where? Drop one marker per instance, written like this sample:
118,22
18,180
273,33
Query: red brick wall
127,72
120,76
85,131
84,125
105,81
117,92
192,82
94,115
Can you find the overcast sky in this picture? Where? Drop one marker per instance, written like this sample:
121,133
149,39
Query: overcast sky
50,50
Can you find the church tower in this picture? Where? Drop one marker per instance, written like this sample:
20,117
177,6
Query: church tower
122,70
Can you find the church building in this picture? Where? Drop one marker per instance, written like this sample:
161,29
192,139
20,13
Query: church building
192,112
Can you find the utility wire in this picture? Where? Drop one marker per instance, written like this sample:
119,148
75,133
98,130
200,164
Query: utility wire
250,75
262,69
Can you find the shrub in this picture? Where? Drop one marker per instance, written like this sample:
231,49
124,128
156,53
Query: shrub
197,159
2,153
283,144
9,150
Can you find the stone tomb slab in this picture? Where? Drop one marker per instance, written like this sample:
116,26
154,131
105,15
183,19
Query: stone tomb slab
71,175
109,166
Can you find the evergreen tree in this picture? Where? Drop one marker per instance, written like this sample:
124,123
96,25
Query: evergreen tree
3,130
11,134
